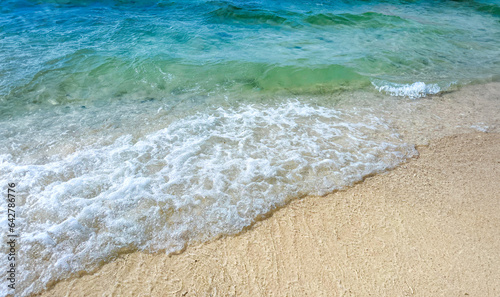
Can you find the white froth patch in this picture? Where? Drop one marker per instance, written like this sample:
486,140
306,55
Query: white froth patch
481,127
413,91
202,176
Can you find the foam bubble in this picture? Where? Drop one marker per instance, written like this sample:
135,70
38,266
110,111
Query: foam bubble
481,127
201,176
413,91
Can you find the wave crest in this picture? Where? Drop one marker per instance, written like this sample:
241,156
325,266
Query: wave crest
416,90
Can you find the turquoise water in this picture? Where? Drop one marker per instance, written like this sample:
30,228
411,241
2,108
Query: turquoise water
150,125
59,52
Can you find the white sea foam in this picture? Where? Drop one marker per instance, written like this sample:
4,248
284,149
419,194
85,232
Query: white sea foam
481,127
199,177
413,91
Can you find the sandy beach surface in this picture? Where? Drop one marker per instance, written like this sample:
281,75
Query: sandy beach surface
431,227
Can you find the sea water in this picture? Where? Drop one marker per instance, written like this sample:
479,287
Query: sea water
149,125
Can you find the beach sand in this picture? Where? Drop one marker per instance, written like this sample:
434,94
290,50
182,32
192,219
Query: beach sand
431,227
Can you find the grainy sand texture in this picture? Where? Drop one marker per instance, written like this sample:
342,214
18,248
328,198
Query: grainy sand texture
431,227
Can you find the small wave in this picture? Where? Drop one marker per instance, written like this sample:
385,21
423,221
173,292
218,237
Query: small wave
200,177
413,91
364,20
245,15
492,9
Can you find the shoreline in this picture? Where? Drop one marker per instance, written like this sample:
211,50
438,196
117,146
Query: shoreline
226,148
431,226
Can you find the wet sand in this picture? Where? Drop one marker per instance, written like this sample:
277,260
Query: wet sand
431,227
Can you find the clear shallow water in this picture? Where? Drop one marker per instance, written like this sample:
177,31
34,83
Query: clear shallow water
151,125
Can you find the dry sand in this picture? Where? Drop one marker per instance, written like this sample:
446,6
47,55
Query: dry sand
431,227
